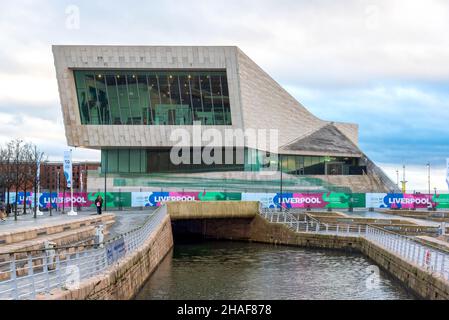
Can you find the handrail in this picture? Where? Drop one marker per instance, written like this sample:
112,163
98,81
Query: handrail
408,248
25,277
407,237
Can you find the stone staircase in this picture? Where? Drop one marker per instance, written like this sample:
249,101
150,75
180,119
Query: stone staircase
357,183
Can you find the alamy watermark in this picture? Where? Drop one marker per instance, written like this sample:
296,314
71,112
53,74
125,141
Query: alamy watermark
72,20
225,147
373,279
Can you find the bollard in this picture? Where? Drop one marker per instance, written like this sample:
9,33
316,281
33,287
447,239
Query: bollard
99,236
50,253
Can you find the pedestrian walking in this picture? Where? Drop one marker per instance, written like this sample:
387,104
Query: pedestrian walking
2,212
99,204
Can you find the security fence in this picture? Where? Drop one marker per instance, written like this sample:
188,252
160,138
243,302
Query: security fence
293,200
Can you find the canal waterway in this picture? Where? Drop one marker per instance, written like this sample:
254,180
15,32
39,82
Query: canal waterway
241,270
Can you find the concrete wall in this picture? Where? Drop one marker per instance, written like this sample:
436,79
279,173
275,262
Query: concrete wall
125,279
422,282
229,229
212,209
207,219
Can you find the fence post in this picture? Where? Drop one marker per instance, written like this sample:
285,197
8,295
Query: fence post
443,263
58,270
77,257
14,275
31,274
440,268
47,276
413,252
418,253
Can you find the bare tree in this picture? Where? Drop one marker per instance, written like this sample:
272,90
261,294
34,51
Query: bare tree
36,157
26,172
7,172
19,168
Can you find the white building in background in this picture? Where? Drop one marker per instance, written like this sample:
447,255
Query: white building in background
127,100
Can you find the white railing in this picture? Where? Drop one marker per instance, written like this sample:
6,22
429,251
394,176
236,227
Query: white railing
309,224
26,274
408,248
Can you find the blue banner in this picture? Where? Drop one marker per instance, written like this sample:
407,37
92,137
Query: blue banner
68,168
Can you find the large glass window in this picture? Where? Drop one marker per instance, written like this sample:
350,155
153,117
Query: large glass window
176,97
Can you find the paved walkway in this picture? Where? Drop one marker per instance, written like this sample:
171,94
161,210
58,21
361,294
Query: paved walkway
24,221
381,215
124,220
128,220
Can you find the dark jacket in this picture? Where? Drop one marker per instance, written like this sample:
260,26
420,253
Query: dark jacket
99,200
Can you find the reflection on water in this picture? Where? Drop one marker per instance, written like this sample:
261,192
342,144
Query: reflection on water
239,270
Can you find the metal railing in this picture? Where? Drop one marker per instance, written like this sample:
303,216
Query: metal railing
412,250
25,274
408,248
309,224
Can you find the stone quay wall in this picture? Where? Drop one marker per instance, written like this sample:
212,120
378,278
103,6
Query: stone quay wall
124,280
213,220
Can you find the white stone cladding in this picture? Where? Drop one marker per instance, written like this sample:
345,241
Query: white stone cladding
266,105
256,100
68,58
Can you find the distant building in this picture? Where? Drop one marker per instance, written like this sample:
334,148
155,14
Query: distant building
52,175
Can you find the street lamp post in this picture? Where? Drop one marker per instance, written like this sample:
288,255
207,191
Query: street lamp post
404,182
428,175
57,189
105,180
280,166
397,178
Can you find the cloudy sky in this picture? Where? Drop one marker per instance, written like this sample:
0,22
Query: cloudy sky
381,64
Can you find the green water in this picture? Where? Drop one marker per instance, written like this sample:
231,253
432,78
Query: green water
240,270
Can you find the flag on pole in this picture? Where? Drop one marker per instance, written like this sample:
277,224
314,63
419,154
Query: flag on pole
68,167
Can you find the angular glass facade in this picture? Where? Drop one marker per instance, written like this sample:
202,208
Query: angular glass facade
157,160
127,97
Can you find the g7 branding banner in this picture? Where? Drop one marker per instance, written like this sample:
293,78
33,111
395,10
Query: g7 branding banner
307,200
399,200
155,199
268,200
68,167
